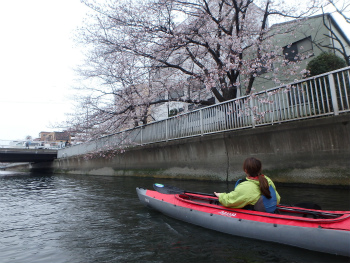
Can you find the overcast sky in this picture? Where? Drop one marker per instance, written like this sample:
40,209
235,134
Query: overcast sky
37,61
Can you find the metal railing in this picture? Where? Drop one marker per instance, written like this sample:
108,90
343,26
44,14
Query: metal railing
21,144
322,95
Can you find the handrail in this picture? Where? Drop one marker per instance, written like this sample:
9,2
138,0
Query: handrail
323,95
23,144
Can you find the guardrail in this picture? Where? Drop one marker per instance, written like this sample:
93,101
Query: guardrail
19,144
322,95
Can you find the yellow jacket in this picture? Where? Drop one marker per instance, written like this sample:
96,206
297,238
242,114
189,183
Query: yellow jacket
245,193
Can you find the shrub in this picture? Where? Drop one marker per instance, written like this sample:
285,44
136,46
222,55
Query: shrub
325,62
173,112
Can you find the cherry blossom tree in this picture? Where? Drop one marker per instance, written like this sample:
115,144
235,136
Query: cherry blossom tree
141,53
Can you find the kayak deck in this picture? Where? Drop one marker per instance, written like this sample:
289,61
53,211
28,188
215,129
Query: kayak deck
281,209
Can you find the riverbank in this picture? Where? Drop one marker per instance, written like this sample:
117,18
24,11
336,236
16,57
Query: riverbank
315,151
311,152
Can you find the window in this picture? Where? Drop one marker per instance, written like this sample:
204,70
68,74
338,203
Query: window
294,51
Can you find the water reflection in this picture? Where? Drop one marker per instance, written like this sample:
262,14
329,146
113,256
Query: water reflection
59,218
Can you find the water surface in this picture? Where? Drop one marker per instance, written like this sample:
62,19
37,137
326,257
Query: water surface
61,218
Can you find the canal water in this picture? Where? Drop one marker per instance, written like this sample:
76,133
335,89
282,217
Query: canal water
53,218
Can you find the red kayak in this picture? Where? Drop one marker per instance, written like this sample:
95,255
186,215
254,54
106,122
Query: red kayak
318,230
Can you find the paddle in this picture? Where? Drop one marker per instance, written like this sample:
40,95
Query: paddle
170,189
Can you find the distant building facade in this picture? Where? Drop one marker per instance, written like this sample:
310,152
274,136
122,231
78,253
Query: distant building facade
55,136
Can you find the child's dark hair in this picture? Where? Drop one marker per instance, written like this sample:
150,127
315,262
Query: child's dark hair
253,167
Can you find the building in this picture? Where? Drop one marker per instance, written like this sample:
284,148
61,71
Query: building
307,38
55,136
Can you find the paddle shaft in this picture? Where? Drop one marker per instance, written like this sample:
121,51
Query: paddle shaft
170,189
199,193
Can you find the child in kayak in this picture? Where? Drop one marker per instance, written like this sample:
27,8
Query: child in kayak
256,192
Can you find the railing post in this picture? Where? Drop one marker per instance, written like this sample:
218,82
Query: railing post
333,94
166,130
252,111
141,133
201,120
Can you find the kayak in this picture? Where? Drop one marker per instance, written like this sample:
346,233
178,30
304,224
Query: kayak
317,230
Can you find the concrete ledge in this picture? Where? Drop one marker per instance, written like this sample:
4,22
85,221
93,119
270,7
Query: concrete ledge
315,151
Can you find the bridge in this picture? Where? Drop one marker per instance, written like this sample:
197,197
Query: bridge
15,155
303,126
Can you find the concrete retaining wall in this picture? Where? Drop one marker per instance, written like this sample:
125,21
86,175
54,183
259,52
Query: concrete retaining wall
313,151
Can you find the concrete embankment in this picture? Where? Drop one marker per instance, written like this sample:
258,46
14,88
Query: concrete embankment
315,151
